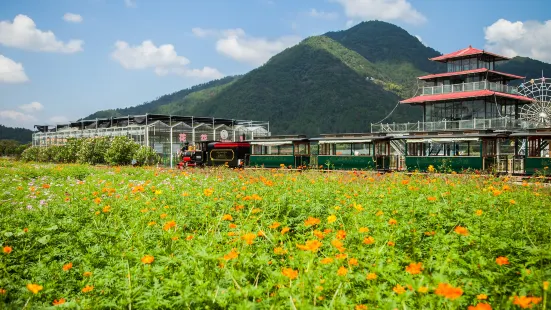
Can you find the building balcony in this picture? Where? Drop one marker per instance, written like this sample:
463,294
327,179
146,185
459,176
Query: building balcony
472,86
504,123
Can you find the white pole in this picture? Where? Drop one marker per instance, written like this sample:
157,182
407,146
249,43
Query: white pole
171,147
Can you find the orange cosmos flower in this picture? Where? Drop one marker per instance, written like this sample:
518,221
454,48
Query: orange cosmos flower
341,256
391,243
97,200
353,262
68,266
360,307
290,273
148,259
227,217
164,215
392,222
284,230
363,229
169,225
502,260
525,302
280,251
312,221
414,268
341,234
379,213
371,276
311,245
189,237
87,288
478,212
480,306
2,291
249,238
461,231
34,288
342,271
369,240
87,274
231,255
58,302
274,225
318,234
7,249
481,296
447,291
398,289
327,260
106,209
431,198
45,185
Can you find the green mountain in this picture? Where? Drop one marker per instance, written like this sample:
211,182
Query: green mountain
338,82
175,103
527,67
21,135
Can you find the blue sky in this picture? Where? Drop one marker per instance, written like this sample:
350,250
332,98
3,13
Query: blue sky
79,67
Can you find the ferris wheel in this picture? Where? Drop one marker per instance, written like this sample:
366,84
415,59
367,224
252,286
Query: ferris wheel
539,111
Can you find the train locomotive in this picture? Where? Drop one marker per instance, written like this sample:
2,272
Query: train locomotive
214,153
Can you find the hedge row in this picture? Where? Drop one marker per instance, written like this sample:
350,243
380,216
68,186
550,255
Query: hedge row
98,150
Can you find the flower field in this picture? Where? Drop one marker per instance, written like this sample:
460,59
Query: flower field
75,236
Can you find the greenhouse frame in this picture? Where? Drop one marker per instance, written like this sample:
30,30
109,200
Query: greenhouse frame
166,134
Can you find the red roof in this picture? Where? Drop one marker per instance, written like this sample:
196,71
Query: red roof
445,74
462,95
469,51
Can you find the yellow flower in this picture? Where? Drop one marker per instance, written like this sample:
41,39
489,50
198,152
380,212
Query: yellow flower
331,218
478,212
34,288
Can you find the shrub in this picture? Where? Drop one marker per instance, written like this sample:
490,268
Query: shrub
145,155
121,151
30,154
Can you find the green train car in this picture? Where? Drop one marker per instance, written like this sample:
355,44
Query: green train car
292,151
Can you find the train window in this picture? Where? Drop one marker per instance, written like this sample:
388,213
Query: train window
221,155
538,147
416,149
285,149
362,149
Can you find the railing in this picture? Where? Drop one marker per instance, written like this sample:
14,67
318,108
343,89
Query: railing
472,86
491,123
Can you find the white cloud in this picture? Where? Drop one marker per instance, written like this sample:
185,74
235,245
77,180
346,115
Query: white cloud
58,119
236,44
130,3
32,107
72,18
11,71
163,60
16,116
22,33
323,15
387,10
531,39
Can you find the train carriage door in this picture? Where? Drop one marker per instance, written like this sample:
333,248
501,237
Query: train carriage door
382,154
489,153
301,152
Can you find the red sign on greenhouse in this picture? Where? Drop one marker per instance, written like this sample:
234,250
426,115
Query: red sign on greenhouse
183,137
204,137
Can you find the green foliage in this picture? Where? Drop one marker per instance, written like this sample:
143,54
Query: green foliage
93,150
30,154
21,135
121,151
12,148
145,155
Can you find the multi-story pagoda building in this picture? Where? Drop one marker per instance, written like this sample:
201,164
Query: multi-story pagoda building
470,90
